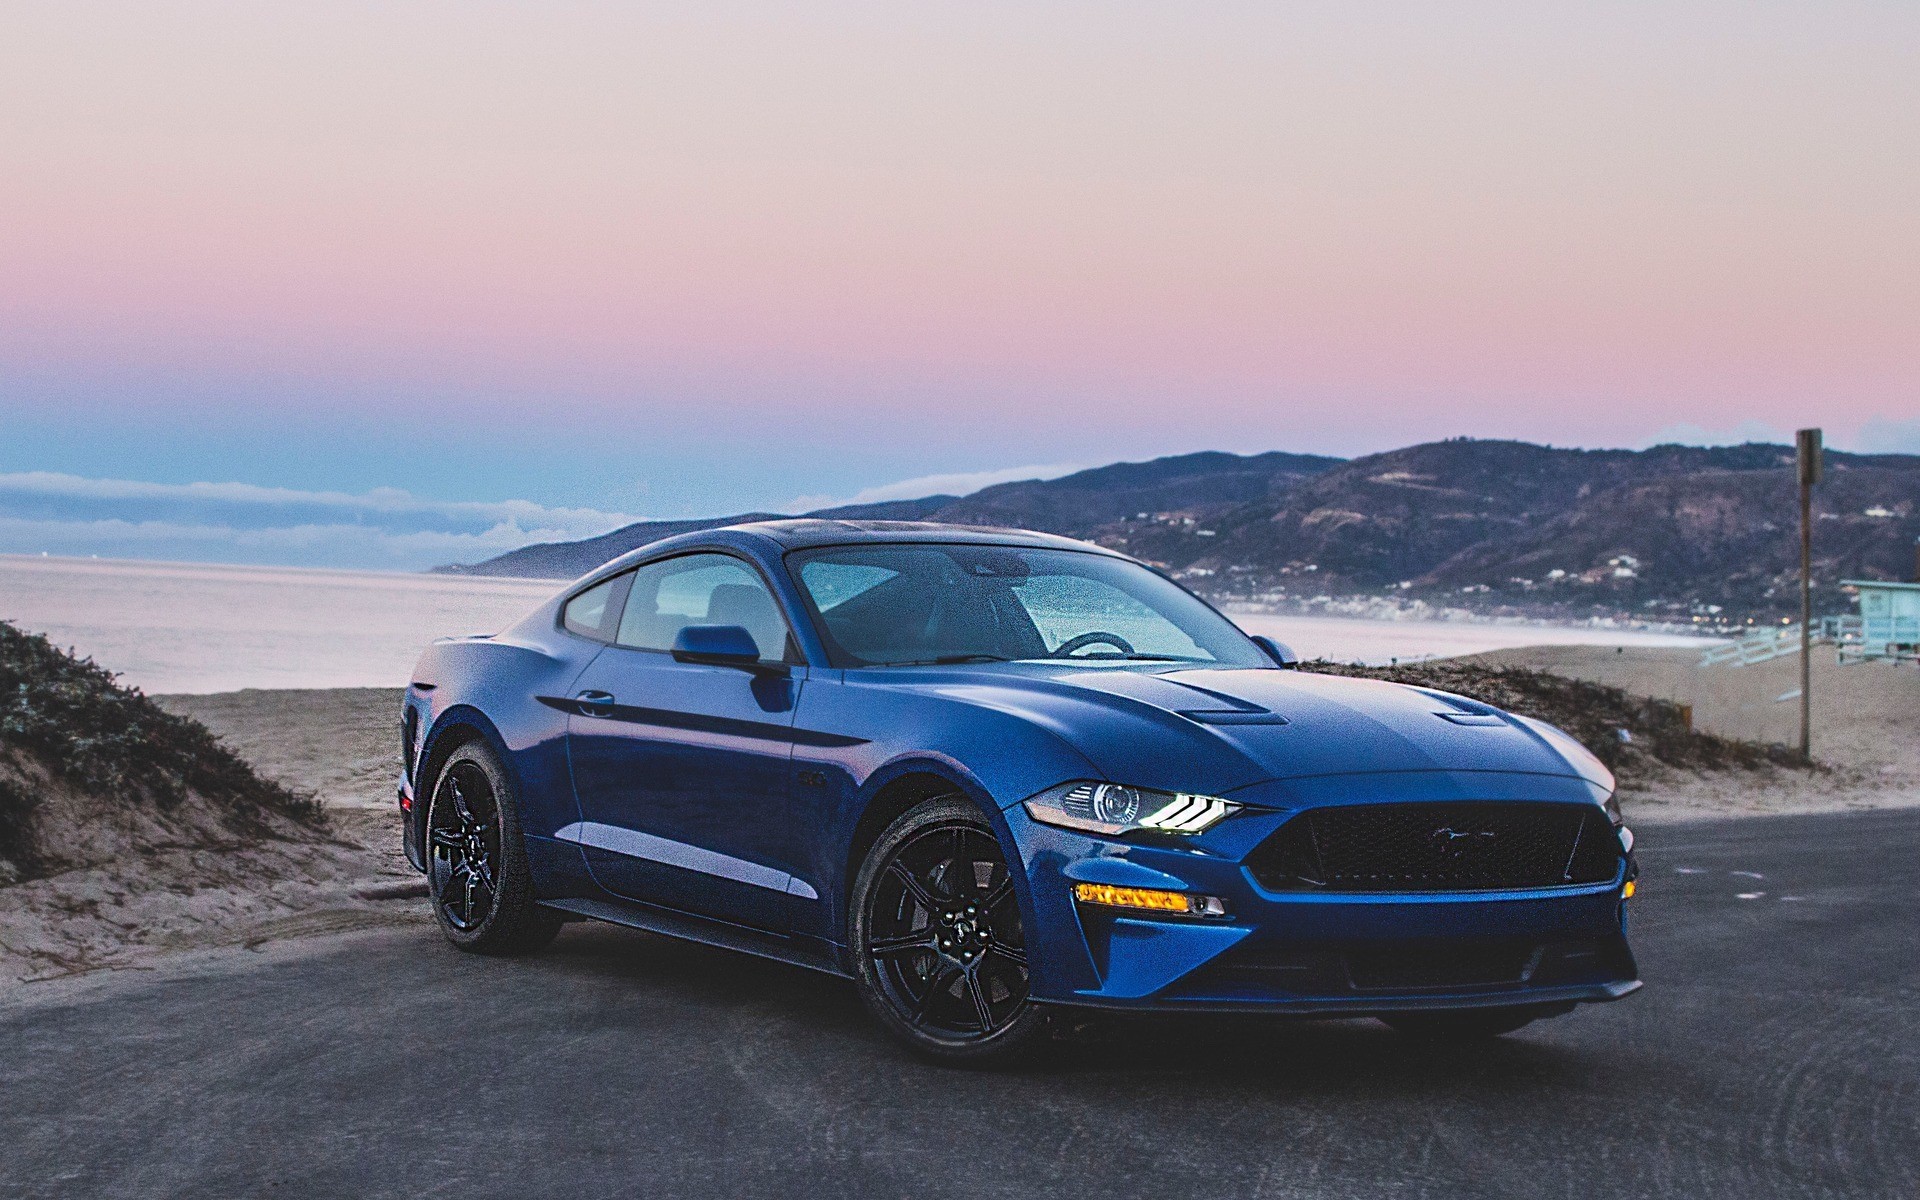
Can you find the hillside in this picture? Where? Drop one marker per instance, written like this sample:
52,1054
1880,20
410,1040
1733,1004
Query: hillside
1190,485
87,767
1669,533
124,827
1205,483
1666,533
566,560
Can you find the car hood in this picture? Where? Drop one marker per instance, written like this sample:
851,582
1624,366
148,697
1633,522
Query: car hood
1215,730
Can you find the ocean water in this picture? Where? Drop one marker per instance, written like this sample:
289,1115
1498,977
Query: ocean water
191,627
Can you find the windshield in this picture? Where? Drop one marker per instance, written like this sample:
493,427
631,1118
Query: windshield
894,604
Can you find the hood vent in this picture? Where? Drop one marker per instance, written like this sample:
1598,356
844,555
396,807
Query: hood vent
1234,717
1471,718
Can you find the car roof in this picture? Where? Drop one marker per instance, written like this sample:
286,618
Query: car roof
803,532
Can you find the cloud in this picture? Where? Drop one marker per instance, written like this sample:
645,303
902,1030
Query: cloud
46,513
962,483
43,512
1688,434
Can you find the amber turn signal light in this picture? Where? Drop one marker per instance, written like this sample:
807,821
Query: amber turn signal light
1150,899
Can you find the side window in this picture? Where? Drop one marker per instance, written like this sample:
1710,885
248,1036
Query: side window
701,589
587,615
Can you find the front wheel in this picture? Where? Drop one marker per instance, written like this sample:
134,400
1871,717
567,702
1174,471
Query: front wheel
939,953
477,874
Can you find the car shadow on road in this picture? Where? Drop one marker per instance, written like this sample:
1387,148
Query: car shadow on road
814,1012
1322,1056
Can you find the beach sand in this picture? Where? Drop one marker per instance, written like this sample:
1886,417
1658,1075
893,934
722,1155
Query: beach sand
1866,727
342,745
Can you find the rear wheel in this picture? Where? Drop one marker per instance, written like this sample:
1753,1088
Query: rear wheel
1466,1025
477,876
939,953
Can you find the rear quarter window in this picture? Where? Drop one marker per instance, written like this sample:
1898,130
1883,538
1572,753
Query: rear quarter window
587,614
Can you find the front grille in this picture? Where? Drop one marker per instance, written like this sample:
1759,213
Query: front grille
1462,846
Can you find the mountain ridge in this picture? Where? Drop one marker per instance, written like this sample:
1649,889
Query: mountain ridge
1098,494
1668,533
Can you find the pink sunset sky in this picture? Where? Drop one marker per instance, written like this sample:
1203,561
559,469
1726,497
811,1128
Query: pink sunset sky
661,258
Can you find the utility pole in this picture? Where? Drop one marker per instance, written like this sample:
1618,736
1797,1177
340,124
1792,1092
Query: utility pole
1807,458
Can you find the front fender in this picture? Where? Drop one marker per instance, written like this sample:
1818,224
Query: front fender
852,741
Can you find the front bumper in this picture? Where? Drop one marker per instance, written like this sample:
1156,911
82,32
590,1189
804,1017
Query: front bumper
1303,952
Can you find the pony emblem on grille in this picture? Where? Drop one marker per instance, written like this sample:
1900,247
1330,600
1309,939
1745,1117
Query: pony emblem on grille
1458,843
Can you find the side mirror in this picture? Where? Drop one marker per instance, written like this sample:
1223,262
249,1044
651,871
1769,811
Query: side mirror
717,645
1279,652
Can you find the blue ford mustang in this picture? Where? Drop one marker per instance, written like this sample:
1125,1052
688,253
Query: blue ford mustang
987,774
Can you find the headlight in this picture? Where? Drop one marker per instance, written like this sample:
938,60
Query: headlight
1111,808
1619,820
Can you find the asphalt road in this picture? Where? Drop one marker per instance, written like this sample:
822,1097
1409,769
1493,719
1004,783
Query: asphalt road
1775,1052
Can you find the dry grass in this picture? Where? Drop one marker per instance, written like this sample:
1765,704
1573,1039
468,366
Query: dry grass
67,720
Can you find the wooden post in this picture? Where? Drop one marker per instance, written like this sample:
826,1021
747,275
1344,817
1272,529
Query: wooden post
1807,458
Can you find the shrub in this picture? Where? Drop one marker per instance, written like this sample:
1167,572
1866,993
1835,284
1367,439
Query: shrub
110,740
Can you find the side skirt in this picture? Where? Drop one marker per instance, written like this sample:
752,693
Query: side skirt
800,952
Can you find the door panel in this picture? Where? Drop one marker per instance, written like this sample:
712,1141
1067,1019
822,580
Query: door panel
683,783
682,768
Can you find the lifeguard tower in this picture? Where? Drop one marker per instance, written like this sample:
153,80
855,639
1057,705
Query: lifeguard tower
1888,627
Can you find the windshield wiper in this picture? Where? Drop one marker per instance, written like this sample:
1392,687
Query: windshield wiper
947,660
1161,658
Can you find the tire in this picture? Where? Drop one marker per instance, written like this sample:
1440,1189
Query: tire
939,952
477,876
1466,1025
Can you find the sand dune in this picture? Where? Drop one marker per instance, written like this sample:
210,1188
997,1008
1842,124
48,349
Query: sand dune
341,744
1866,725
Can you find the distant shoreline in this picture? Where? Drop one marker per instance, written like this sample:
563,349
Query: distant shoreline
1352,607
184,564
1409,614
198,628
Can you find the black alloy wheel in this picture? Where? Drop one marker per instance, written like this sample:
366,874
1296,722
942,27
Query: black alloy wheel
463,836
477,876
942,957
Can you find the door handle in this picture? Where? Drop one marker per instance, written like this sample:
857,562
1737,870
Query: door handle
594,703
